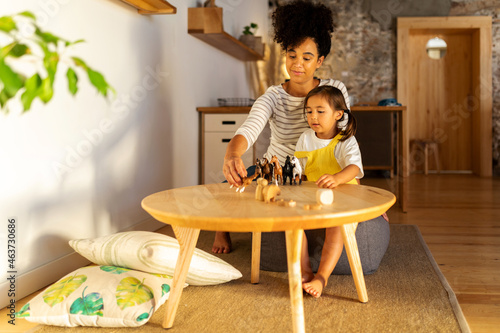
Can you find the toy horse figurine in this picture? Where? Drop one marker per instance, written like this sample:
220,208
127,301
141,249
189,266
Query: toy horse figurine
297,170
258,169
287,171
278,172
267,170
245,181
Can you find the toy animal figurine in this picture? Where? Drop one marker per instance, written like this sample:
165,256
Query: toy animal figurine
287,171
278,171
261,183
245,181
258,169
267,170
297,171
270,192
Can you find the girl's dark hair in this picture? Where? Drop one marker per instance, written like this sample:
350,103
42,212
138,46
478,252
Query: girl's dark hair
336,100
298,20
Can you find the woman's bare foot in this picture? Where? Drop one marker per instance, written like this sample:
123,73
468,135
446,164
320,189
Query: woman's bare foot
314,287
222,242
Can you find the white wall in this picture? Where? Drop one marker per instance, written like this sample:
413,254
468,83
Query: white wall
79,167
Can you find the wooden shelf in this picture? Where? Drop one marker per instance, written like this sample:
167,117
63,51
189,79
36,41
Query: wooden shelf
206,25
152,7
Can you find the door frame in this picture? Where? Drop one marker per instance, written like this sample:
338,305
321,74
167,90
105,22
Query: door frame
480,28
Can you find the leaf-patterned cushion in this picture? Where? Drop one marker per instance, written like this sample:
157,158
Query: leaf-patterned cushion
104,296
155,253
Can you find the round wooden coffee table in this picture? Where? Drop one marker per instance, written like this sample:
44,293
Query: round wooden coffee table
217,207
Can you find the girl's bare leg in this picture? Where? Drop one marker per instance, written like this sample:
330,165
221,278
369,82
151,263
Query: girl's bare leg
222,242
332,249
305,263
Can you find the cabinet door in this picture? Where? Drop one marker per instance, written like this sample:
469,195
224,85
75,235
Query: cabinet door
215,149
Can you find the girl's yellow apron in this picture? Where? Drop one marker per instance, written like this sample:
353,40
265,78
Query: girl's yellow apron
322,161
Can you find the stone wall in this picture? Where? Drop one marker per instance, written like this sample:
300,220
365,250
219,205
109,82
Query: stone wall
364,46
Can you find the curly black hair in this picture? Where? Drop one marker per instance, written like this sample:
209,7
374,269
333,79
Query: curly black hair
298,20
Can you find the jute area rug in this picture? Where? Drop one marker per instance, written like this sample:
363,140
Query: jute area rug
408,293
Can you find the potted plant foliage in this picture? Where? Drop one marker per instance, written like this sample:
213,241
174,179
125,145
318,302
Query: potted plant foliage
24,45
249,39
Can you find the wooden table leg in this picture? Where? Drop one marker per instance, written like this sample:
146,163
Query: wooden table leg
351,247
187,238
293,251
256,240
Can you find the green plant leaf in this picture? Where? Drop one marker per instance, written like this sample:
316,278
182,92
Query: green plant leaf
165,289
3,98
50,62
19,50
60,290
47,90
114,269
24,311
28,14
132,292
68,43
72,81
47,37
98,81
80,63
12,81
6,50
7,24
90,305
33,89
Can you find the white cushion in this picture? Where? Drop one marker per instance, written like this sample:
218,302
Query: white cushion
155,253
103,296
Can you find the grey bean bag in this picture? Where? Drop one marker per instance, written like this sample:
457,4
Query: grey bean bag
372,237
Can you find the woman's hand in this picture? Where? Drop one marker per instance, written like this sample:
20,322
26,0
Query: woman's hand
234,169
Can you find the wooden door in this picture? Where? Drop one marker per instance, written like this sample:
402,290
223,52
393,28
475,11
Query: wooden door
440,90
449,99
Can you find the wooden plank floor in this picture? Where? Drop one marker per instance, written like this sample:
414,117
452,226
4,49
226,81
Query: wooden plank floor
459,218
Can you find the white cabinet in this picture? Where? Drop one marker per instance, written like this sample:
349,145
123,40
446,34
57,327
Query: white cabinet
217,127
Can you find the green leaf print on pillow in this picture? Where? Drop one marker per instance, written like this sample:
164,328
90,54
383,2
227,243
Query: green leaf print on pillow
24,311
114,269
132,292
60,290
90,305
165,289
145,315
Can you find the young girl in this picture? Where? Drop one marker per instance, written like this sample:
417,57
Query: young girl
332,157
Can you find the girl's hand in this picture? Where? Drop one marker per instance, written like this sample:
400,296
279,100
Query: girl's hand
328,181
233,170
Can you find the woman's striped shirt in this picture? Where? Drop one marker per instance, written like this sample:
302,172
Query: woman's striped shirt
285,114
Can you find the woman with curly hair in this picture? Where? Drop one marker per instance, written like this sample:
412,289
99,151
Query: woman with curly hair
304,31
